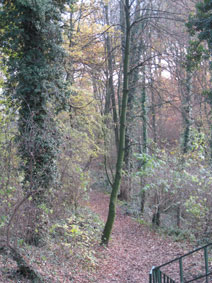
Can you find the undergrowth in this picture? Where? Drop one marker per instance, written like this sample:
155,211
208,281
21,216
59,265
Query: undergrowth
70,250
77,236
177,234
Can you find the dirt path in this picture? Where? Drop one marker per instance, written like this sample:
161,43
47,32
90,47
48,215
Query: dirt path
133,248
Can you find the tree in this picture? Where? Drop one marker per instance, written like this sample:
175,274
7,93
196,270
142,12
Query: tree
110,96
34,58
137,46
120,157
200,25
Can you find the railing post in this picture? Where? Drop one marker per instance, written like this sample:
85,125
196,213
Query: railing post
181,270
151,275
206,262
159,276
150,278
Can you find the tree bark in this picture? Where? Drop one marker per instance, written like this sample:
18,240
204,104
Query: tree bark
110,86
116,184
136,47
186,113
144,138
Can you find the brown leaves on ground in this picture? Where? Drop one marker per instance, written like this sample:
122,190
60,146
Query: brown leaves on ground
133,250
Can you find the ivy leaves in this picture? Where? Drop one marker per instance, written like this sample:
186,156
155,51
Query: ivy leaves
34,60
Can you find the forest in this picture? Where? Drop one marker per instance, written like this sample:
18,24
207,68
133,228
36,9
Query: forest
105,140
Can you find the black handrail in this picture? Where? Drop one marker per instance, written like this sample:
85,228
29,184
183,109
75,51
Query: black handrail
156,275
180,257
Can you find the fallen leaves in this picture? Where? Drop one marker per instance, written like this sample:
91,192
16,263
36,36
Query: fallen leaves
134,248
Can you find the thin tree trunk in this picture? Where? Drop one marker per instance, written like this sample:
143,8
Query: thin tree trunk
154,128
186,115
153,107
70,77
144,116
116,184
111,91
144,138
186,110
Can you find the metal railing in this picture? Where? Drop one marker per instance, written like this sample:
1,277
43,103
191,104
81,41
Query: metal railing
158,276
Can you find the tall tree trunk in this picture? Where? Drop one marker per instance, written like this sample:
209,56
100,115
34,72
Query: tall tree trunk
153,99
136,51
153,112
144,116
136,46
110,85
116,184
186,113
36,73
70,73
144,137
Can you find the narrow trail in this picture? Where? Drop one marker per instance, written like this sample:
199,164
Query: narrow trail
133,248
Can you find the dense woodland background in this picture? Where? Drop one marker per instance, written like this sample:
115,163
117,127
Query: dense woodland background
111,96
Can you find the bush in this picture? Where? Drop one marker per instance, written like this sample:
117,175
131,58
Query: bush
179,186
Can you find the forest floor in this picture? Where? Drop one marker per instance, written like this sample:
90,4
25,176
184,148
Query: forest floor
133,249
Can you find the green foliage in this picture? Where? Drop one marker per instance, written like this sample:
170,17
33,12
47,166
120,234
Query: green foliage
81,142
197,206
78,235
200,23
208,95
195,54
8,160
35,75
174,180
151,163
197,144
179,235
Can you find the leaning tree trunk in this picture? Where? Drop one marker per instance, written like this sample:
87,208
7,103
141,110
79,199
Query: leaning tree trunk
116,184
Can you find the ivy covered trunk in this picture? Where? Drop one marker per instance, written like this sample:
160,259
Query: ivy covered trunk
186,112
116,184
187,123
35,80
